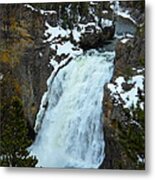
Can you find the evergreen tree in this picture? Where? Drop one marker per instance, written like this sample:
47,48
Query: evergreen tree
132,134
14,139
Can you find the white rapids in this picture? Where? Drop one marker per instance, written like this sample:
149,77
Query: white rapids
70,133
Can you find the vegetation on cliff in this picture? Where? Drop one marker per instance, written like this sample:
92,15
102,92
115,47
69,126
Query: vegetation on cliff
124,112
14,139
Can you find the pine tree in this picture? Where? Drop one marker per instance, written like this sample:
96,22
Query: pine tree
132,134
13,139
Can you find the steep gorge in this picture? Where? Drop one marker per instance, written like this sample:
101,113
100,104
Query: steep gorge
26,50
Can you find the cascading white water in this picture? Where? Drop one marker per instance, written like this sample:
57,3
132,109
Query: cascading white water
71,127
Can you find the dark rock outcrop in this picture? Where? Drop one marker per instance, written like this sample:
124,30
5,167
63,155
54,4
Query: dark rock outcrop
94,38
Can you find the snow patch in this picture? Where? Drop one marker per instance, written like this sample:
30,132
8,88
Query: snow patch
41,11
126,15
30,7
1,76
76,34
105,12
123,36
129,97
140,159
125,40
55,32
46,12
54,36
140,70
121,12
68,48
40,54
106,23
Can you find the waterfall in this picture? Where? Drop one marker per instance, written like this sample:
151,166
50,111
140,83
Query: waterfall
71,125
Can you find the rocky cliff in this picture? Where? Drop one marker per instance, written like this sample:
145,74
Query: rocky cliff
24,58
123,102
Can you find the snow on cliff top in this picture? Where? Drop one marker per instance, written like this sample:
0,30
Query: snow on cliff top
129,97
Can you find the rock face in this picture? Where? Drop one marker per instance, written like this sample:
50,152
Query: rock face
25,55
137,10
34,72
124,125
117,117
